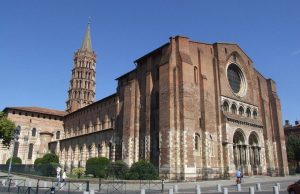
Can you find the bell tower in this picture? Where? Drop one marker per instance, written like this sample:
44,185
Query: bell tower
82,84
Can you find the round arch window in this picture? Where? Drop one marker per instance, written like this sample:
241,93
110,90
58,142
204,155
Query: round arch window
236,79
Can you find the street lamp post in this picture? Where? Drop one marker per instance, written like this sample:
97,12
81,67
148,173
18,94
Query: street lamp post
14,139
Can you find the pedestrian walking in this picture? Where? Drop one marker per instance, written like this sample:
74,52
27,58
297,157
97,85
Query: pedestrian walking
64,176
238,176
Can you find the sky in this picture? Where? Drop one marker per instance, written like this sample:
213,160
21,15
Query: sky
38,40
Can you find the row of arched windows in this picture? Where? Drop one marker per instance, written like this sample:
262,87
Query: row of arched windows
82,95
234,109
86,64
105,124
82,84
83,75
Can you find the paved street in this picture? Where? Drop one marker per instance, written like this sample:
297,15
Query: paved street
267,184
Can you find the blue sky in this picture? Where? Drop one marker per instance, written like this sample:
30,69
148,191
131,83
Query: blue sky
38,40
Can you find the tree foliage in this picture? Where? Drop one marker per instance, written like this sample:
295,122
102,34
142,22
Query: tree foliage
97,166
293,148
118,169
6,129
78,171
47,165
142,170
15,160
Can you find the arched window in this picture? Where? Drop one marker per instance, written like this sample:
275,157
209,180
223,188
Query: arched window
225,106
33,132
19,131
16,149
248,112
197,142
241,111
234,57
196,75
99,150
30,151
254,114
58,135
233,109
90,151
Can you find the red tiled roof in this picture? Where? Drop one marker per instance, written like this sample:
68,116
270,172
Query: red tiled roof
39,110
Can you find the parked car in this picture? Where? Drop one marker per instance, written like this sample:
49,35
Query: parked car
294,188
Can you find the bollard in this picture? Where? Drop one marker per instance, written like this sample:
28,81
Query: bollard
52,190
92,191
278,185
87,186
238,187
170,191
162,185
37,186
225,191
142,191
275,190
251,190
99,189
219,188
9,183
258,187
198,189
175,188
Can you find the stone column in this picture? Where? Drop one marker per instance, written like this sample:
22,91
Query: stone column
248,169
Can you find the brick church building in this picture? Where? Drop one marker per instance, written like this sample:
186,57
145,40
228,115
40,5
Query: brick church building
195,110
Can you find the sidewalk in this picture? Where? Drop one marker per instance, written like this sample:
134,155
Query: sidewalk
182,185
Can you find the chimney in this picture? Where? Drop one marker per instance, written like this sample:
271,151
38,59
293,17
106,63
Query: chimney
296,122
287,122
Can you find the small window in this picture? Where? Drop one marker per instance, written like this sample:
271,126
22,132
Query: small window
33,132
58,135
241,111
233,109
234,57
255,114
196,75
30,151
197,142
248,112
225,106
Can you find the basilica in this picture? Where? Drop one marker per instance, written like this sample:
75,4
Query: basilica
195,110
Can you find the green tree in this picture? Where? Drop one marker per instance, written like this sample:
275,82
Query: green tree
36,163
78,171
15,160
117,169
97,166
6,129
142,170
47,165
47,158
293,149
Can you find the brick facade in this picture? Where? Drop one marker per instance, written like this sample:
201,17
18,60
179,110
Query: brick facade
195,110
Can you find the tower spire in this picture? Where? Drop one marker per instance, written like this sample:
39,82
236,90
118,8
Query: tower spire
82,88
87,42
